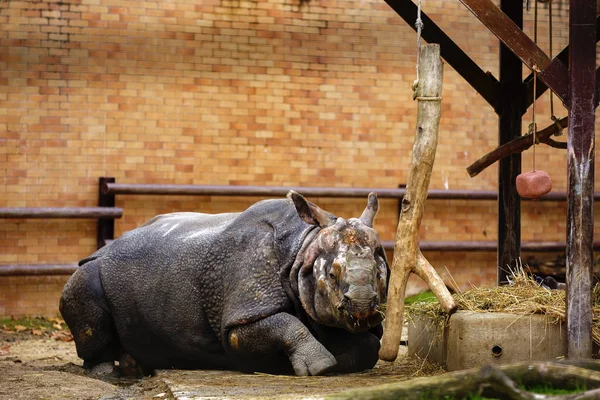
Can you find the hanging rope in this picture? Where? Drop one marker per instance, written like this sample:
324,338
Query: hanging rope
551,57
532,126
419,26
533,184
552,116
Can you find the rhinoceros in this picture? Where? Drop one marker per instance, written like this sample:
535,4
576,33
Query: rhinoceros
283,287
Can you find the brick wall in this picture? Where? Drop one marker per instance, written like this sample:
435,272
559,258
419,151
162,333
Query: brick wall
263,92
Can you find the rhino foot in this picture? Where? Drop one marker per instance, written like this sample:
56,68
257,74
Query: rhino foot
314,359
318,367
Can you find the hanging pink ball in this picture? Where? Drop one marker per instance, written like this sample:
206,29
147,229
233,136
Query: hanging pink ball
533,184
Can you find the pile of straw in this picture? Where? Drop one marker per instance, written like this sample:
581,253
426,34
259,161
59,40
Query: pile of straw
523,296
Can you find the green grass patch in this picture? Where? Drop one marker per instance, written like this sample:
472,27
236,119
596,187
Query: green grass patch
548,389
424,297
541,388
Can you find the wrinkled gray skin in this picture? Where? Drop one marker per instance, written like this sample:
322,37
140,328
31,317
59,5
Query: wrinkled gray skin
283,287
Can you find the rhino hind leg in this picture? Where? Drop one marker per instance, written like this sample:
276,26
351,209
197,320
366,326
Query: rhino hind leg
86,312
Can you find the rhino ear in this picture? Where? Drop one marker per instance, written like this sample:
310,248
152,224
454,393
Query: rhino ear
368,215
309,212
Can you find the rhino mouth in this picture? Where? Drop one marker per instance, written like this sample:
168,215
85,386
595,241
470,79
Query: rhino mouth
354,324
357,321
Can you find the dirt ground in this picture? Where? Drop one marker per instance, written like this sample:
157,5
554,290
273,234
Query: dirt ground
44,367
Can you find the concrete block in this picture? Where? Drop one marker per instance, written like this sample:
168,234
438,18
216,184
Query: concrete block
427,340
476,339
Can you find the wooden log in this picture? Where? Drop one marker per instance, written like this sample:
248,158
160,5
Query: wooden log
407,256
61,212
495,382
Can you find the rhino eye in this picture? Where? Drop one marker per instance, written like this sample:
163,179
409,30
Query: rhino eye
335,270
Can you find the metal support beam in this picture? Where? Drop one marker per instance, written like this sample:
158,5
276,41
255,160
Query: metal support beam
509,127
580,182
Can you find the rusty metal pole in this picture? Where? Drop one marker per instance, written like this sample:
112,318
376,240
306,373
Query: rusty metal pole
580,167
510,111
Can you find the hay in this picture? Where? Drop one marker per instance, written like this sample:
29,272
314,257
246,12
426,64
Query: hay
523,297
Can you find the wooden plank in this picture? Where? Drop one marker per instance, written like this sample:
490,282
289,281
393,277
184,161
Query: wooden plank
520,44
484,83
557,74
580,182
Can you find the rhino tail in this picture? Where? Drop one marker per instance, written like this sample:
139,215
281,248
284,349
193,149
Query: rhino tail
97,254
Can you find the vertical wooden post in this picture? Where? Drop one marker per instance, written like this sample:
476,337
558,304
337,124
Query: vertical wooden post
510,111
580,166
407,256
106,226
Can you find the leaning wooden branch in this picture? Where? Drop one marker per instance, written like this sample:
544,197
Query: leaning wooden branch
407,256
490,381
519,145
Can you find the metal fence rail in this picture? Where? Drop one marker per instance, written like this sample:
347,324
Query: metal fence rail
61,212
107,212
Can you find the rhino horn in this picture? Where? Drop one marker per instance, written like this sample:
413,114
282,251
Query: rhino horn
368,215
309,212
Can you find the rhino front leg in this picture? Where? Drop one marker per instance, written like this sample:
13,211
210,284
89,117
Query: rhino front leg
354,352
283,332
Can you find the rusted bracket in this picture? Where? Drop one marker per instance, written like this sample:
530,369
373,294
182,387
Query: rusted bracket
552,72
483,82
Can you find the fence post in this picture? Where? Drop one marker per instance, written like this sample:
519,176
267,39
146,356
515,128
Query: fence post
106,226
